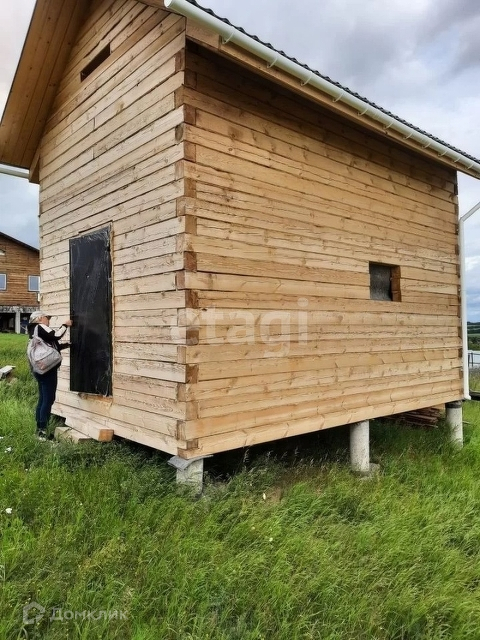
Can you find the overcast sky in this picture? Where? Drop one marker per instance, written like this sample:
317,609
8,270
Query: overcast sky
418,59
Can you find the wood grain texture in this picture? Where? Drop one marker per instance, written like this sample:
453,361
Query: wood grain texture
292,204
109,155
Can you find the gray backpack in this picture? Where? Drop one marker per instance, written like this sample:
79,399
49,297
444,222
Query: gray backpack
42,356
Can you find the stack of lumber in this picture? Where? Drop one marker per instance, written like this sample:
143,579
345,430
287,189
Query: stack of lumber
427,417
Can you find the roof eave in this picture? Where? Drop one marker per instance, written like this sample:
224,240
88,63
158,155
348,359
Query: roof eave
23,244
50,37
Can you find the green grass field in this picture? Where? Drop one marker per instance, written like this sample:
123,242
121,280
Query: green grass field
285,543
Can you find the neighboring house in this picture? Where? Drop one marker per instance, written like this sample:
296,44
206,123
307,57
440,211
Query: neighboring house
19,283
249,250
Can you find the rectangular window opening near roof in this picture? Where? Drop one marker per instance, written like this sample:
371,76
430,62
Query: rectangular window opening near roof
95,62
3,281
34,283
384,282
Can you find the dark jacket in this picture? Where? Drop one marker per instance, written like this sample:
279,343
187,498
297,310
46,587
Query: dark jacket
49,335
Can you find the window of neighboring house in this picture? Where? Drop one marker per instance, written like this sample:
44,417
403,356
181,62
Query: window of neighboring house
34,283
384,282
3,281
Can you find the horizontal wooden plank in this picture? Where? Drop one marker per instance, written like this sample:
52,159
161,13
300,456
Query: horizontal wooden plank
306,189
287,330
267,366
329,281
134,194
229,388
294,160
316,208
146,351
294,254
241,300
221,406
258,92
349,159
249,205
150,403
255,435
145,284
149,438
152,421
143,318
136,213
148,233
146,334
147,386
280,414
156,265
127,62
151,369
266,347
342,251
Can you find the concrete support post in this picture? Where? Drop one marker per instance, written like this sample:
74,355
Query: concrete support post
454,415
192,475
360,447
189,472
17,321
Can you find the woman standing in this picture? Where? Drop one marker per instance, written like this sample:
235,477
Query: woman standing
47,382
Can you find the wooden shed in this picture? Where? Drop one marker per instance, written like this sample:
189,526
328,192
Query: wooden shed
250,251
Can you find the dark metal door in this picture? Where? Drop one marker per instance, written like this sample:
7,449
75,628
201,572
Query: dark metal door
91,312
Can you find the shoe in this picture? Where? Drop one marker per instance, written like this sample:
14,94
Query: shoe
41,435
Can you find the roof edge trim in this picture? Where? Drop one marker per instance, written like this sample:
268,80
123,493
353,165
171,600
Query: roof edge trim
17,172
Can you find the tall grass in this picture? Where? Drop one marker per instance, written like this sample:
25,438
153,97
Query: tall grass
474,379
285,543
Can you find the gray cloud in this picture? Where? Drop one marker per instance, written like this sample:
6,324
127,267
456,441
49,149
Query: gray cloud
19,209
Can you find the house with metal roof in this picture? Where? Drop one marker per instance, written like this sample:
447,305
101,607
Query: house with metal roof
249,250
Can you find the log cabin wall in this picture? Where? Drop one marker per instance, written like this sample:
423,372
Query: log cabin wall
17,262
111,157
292,206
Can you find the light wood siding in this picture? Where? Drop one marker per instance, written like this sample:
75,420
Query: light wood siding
111,154
291,205
18,262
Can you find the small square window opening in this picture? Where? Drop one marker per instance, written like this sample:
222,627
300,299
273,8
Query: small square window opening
384,282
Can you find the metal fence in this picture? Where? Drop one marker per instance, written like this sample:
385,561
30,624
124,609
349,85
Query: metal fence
473,359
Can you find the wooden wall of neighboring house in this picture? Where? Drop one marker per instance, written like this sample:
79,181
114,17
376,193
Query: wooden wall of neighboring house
18,262
111,154
292,204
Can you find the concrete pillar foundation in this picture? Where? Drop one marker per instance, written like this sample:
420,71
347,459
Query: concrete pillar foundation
454,416
360,447
189,472
17,321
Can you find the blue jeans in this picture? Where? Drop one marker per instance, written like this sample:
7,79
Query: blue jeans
47,388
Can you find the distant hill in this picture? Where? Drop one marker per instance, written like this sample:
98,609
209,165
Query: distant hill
473,328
